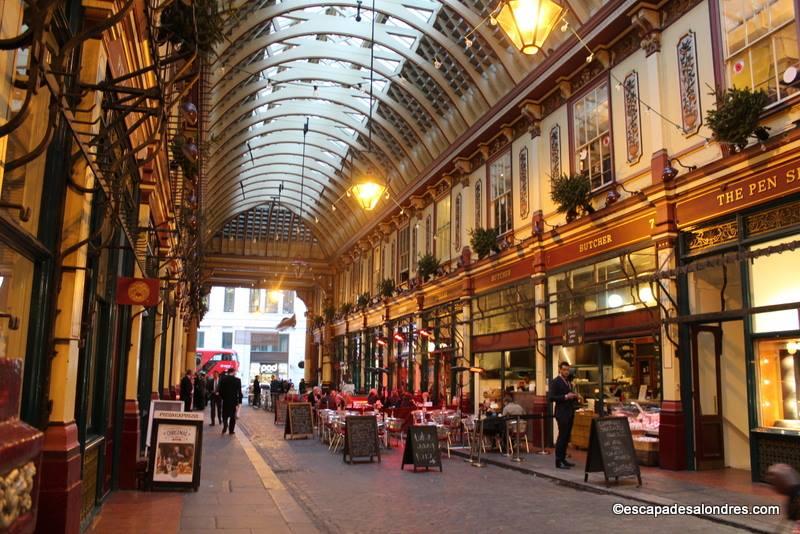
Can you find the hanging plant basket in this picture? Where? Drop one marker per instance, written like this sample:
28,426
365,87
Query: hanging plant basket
735,120
199,25
386,287
484,241
427,266
345,309
571,193
363,300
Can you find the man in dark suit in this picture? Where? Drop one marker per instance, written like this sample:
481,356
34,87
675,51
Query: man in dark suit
215,400
230,391
561,393
186,390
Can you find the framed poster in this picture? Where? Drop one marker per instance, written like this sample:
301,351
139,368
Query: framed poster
156,405
176,450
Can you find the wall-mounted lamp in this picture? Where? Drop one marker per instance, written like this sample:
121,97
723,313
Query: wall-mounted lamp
669,173
399,337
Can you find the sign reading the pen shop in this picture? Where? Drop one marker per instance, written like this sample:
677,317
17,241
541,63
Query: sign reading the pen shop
422,448
739,194
608,238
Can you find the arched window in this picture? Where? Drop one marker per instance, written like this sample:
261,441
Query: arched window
457,216
478,204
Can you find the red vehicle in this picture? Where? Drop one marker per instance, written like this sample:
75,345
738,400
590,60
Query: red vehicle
211,360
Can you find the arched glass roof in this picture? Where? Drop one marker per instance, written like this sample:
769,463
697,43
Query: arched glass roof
438,68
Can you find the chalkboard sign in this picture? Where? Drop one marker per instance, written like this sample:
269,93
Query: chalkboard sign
299,422
361,438
611,449
280,411
422,448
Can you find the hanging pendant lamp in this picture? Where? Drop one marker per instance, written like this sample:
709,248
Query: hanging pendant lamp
528,23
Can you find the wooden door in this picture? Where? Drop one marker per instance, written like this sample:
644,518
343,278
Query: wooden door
707,397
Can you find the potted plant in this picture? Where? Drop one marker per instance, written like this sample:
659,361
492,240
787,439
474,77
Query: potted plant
484,241
363,300
319,321
571,192
427,266
386,288
198,24
329,312
345,309
736,118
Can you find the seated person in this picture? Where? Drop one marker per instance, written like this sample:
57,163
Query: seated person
372,398
394,400
407,401
512,408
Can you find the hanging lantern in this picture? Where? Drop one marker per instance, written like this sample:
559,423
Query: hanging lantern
368,191
528,22
189,111
190,151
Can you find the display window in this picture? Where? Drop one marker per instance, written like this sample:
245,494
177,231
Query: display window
769,285
778,374
502,310
503,371
16,274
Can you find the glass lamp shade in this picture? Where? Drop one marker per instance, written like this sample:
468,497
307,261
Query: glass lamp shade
528,22
368,192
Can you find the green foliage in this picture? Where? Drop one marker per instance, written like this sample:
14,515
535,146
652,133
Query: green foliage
386,287
484,241
178,23
363,300
329,312
736,116
345,308
571,192
427,266
319,321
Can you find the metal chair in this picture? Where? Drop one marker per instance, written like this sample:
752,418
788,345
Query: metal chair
512,430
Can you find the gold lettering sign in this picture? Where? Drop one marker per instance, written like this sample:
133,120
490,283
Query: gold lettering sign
598,242
502,275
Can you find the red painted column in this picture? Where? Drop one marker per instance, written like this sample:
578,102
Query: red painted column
672,436
60,495
129,446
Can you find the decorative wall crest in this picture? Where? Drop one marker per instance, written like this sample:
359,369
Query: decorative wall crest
691,117
633,123
524,207
555,151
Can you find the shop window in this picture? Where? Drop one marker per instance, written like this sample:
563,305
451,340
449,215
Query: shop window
16,274
504,372
509,308
442,236
591,125
403,254
229,299
610,286
770,285
778,373
760,44
500,193
288,302
201,340
715,289
227,340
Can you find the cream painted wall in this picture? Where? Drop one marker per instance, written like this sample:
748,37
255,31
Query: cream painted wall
542,181
734,396
522,226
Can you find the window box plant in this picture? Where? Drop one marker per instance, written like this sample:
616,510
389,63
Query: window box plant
571,192
484,241
735,120
329,313
345,309
363,300
386,288
427,266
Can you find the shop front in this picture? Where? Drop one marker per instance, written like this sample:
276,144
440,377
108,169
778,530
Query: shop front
741,321
442,350
404,367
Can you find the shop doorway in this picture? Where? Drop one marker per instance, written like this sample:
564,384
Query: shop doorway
707,397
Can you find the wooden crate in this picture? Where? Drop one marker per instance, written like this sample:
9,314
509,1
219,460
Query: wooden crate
649,458
581,429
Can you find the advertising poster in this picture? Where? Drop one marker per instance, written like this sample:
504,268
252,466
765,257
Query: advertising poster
175,450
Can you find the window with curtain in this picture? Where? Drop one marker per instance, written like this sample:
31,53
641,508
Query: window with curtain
760,44
500,191
229,299
442,236
403,254
592,136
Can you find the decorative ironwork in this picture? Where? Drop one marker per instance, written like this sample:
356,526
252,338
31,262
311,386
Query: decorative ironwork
458,217
478,203
633,122
555,151
524,205
691,117
773,219
713,235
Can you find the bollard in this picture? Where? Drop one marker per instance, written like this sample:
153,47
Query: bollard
541,434
477,462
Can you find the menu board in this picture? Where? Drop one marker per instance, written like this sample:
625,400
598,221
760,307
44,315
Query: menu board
422,448
280,411
361,438
176,450
611,449
299,421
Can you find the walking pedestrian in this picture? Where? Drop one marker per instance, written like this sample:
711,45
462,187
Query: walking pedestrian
561,393
230,390
301,387
200,391
256,392
215,400
186,390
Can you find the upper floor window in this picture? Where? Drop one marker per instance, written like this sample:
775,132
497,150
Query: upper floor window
288,302
376,266
760,43
428,234
229,299
201,339
442,236
271,301
227,340
255,300
478,204
403,255
414,244
458,217
593,136
500,193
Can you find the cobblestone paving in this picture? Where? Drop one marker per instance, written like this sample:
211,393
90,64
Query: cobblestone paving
380,498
